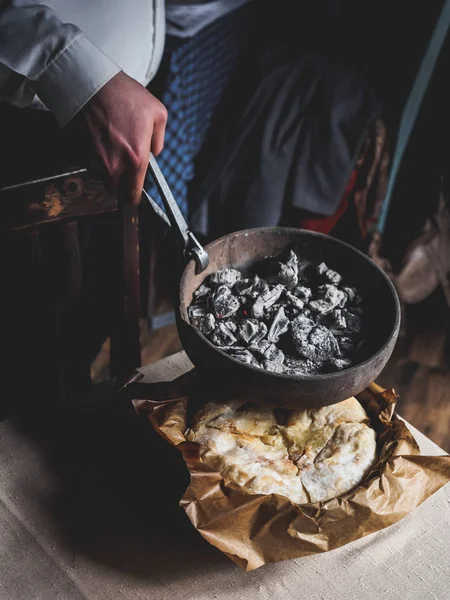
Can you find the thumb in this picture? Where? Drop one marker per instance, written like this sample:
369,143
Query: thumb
131,185
137,184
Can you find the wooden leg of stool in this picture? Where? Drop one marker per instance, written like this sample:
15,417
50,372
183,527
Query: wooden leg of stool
152,288
76,376
125,344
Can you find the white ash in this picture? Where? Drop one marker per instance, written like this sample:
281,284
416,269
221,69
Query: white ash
226,277
353,298
329,275
328,298
274,367
243,355
232,326
196,311
353,321
266,300
251,330
294,301
205,323
280,326
224,304
243,287
202,292
298,366
265,350
222,336
291,315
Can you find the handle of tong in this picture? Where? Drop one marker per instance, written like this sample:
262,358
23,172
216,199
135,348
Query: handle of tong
191,246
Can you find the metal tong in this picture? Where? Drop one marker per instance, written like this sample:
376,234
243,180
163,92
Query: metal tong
173,217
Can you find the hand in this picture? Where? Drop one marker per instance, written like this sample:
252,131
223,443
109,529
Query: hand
126,122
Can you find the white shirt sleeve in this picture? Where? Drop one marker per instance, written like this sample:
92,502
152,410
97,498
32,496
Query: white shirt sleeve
40,55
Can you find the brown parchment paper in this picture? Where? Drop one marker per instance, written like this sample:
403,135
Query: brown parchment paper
256,529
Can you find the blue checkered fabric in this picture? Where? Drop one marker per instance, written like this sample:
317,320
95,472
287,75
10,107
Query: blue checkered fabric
199,70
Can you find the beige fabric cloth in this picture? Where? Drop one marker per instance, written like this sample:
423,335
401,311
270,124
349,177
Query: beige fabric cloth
61,538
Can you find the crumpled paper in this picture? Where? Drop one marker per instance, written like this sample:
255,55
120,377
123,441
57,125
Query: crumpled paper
257,529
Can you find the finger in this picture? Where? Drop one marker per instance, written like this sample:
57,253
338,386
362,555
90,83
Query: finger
116,168
137,183
138,173
159,132
111,166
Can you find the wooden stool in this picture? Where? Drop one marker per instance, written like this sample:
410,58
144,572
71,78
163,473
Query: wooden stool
65,201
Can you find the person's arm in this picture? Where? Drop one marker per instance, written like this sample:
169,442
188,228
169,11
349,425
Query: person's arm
40,55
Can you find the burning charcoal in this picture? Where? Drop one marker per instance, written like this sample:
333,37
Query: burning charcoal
281,273
294,301
291,312
197,311
289,257
280,325
251,287
205,323
231,326
295,366
324,322
259,347
251,330
328,274
343,302
302,323
226,277
269,313
260,287
267,351
202,292
346,345
322,269
243,301
328,298
243,287
264,301
241,354
339,321
288,276
282,269
272,311
222,336
324,342
306,272
273,367
312,367
333,277
301,327
353,298
336,321
224,303
353,321
317,345
307,314
304,348
302,292
340,363
274,354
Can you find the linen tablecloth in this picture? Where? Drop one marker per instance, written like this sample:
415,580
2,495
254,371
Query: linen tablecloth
89,511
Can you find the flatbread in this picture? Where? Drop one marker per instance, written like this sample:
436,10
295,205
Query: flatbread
306,456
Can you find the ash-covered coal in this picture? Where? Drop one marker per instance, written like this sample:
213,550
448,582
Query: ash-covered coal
292,315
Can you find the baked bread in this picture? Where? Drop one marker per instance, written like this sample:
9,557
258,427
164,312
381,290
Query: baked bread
306,456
